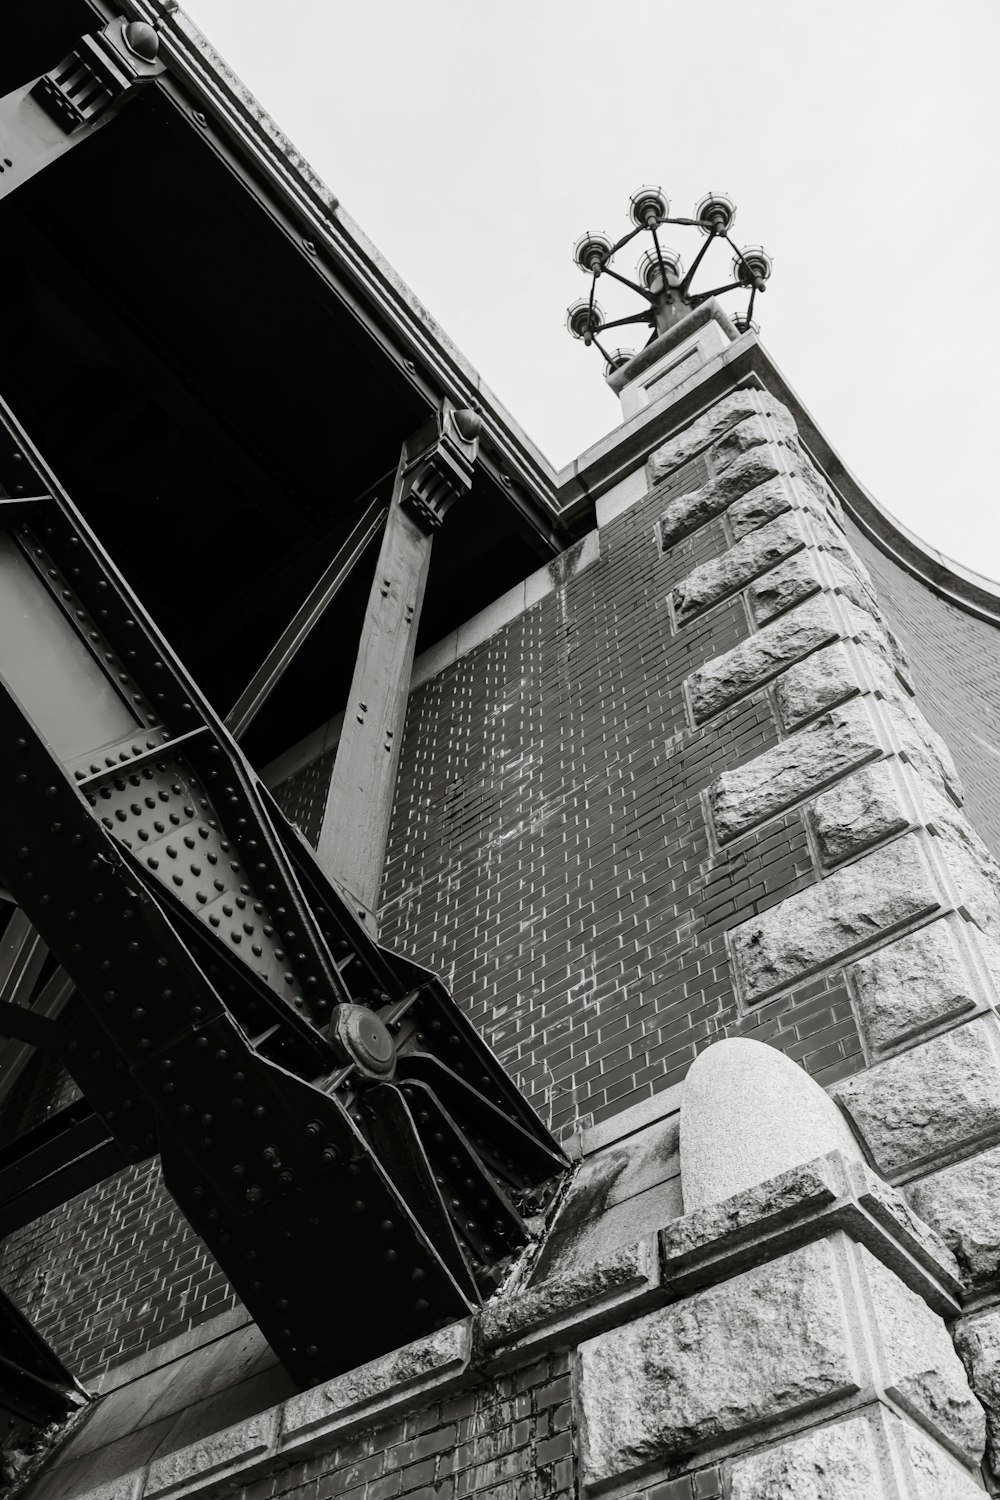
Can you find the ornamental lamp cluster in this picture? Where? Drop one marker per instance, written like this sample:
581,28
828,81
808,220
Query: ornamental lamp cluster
662,281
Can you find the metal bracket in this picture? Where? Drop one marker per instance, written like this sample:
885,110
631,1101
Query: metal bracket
98,73
437,464
43,119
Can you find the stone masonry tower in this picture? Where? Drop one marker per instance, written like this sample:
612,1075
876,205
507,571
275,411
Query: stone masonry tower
654,1152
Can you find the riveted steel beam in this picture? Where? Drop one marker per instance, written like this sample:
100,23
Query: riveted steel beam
306,618
435,468
301,1085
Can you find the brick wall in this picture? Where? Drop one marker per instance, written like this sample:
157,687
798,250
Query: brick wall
956,669
113,1272
511,1439
549,853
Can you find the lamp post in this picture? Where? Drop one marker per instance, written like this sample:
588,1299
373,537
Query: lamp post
662,282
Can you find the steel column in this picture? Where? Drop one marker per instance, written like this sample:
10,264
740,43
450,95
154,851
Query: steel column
435,468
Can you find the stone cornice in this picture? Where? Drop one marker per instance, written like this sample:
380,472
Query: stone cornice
747,363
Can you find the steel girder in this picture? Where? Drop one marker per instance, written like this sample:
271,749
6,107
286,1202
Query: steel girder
331,1124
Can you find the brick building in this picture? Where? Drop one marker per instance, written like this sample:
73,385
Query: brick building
699,754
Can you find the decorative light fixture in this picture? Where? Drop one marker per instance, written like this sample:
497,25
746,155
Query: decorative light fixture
663,282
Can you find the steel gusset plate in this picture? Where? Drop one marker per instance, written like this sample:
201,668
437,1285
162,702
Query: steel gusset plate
429,1023
271,1171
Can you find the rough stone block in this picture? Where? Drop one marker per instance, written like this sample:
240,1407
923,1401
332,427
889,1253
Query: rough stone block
932,1473
752,432
223,1452
828,676
736,407
825,678
760,506
684,445
973,868
960,1202
877,638
721,576
748,1114
974,873
756,1348
752,1212
812,489
859,811
794,580
936,1099
978,1342
750,469
828,1463
507,1321
850,577
755,661
922,1372
126,1487
793,769
686,513
916,982
890,1208
922,746
849,909
382,1383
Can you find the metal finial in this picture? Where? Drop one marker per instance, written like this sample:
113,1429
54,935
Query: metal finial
663,283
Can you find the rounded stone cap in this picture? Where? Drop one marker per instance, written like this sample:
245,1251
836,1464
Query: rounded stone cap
747,1113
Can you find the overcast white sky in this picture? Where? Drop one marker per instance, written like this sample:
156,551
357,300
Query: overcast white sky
474,142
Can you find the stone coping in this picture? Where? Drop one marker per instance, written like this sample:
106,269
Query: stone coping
747,363
798,1207
627,1122
709,312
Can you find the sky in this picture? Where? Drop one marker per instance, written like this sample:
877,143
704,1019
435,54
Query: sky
474,143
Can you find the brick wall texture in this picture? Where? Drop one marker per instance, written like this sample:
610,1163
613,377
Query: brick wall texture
510,1439
551,858
550,854
956,668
